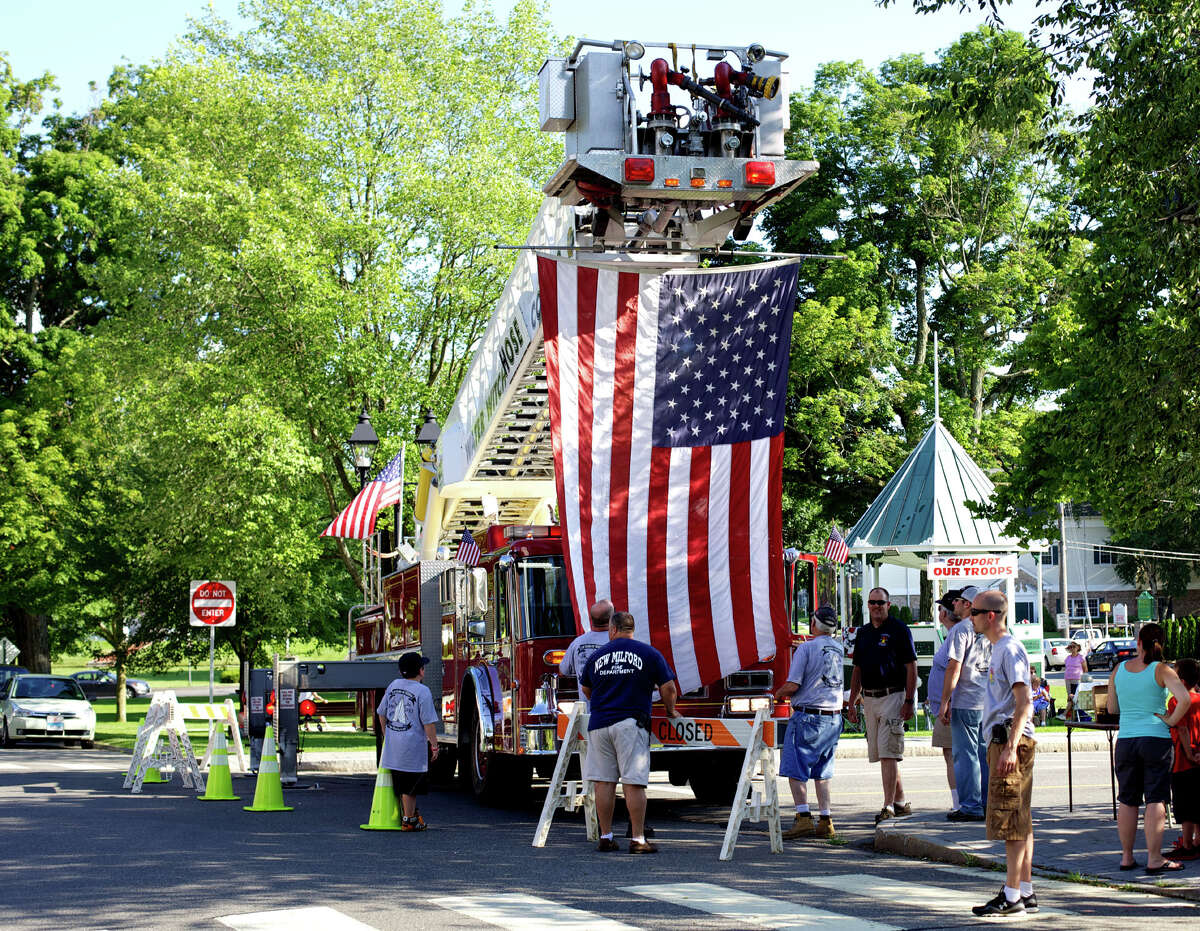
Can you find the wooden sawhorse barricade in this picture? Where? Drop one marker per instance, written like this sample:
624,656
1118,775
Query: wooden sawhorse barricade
168,717
756,798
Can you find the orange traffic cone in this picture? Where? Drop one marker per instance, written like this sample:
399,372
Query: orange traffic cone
385,814
268,791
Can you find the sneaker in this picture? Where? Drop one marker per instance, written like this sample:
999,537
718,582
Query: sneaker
416,823
607,845
884,814
646,847
1180,852
903,809
999,907
803,826
959,815
825,827
1030,902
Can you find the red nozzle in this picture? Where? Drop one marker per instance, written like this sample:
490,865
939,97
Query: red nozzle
660,97
722,77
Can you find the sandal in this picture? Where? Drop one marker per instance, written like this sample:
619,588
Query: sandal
1168,866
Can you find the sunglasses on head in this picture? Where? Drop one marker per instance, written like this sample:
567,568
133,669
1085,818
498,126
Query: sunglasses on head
975,611
874,601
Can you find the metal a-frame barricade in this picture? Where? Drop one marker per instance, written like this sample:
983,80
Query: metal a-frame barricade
161,717
570,795
753,801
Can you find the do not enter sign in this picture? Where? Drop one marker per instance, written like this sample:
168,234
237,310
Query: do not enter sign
213,604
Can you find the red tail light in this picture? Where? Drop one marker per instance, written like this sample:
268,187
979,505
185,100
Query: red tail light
758,174
641,170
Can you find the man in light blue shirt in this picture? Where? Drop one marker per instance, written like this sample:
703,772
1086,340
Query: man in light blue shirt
963,694
814,685
942,737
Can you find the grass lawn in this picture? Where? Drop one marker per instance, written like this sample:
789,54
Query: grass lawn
112,733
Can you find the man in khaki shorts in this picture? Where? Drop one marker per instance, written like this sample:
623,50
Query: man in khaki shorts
1008,720
885,675
618,681
937,674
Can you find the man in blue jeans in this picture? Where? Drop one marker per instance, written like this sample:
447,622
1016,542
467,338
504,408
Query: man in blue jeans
964,691
814,684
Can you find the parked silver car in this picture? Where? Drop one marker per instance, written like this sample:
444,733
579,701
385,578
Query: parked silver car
36,707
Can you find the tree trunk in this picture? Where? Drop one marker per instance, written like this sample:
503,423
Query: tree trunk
925,609
120,659
31,634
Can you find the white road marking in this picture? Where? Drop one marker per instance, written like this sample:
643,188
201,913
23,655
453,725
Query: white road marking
315,918
527,913
915,895
747,908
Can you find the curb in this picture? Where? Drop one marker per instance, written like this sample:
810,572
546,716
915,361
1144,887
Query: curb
915,846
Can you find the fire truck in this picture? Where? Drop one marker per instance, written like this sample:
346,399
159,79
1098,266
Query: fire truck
663,164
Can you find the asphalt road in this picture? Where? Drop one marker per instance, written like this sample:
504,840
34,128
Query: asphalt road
79,852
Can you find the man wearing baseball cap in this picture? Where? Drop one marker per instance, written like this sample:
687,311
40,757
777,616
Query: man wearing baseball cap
814,685
937,676
407,719
963,694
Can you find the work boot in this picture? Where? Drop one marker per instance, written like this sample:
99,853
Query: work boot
825,827
803,826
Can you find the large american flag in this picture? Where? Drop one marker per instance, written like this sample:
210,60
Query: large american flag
357,521
666,404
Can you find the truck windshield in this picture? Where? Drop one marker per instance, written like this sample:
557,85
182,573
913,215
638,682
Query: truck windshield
545,598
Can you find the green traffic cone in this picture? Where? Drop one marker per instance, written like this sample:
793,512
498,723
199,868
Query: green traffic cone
385,814
219,787
268,791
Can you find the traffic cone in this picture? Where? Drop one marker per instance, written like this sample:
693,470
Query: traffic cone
268,791
153,774
385,814
219,787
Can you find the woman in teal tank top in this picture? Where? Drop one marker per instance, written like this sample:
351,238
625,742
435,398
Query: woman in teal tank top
1137,691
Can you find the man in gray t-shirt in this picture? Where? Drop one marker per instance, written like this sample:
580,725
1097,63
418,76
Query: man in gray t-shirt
963,690
408,721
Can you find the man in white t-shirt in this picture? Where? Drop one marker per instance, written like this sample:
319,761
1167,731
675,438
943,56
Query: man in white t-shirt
407,718
587,643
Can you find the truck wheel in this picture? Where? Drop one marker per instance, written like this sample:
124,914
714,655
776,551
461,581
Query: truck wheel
716,783
485,767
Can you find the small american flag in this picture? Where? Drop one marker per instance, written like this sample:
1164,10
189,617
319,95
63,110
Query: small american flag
468,550
835,547
357,521
666,408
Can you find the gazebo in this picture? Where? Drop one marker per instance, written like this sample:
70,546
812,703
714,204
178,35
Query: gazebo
922,512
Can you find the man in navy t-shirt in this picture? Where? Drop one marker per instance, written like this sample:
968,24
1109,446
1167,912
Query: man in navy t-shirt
619,680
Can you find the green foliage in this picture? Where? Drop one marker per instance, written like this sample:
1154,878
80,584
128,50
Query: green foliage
1181,638
905,614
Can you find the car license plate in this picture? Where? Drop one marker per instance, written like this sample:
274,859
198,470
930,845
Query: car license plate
54,722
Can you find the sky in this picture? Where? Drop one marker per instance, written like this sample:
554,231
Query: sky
82,40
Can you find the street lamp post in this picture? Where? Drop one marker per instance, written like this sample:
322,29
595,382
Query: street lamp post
362,447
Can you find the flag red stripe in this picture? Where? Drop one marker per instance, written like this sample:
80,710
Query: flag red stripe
703,638
548,289
624,365
656,544
779,612
739,554
585,288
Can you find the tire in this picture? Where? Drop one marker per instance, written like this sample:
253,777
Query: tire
484,767
87,744
130,692
715,783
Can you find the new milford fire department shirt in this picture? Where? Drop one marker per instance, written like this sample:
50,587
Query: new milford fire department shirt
623,675
407,706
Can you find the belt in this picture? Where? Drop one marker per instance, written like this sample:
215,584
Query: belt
817,711
882,693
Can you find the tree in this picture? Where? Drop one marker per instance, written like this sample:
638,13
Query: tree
932,183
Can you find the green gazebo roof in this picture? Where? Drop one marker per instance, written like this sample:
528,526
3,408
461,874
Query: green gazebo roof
924,506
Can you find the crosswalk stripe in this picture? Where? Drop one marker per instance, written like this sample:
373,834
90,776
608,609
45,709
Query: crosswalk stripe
313,918
915,895
527,913
745,907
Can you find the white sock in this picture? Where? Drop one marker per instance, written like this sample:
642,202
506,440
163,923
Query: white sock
1012,894
802,809
1026,890
824,812
639,840
890,808
607,836
954,798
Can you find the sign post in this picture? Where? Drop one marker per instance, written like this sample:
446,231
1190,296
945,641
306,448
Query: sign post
212,605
